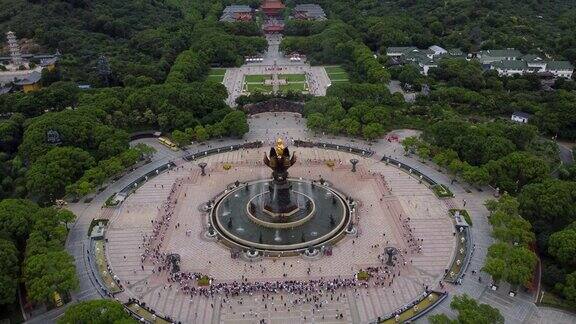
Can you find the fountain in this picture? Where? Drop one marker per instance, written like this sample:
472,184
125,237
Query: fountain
280,214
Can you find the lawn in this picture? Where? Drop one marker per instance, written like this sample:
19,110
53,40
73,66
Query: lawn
143,313
109,281
442,191
409,313
256,78
336,74
292,77
216,75
293,86
253,87
334,69
215,78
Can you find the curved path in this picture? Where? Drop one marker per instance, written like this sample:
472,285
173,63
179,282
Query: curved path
517,309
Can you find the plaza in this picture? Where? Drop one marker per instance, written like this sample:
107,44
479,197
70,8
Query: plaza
387,197
283,75
429,219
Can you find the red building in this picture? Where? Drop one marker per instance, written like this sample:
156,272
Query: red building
272,7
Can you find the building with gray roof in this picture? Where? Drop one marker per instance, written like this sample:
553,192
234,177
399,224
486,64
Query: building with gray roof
308,12
234,13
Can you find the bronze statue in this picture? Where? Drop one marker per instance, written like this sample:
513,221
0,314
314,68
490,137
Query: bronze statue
280,202
279,161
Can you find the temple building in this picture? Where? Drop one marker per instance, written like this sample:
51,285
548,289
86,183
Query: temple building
272,8
235,13
20,71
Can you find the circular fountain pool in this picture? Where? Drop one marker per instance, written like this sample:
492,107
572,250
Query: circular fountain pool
320,215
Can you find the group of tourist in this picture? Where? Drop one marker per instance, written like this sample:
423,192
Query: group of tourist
414,243
152,243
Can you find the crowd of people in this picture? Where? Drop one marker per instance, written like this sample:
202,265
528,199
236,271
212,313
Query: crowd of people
152,243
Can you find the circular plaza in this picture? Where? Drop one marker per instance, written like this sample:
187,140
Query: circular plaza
179,246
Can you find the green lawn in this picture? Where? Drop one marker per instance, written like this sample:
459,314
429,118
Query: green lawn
216,75
293,86
334,69
253,87
217,71
292,77
409,313
105,275
257,78
215,78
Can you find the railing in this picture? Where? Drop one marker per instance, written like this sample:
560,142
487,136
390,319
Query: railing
414,172
218,150
336,147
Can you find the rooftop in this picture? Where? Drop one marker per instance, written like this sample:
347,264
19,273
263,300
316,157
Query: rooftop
510,65
400,49
521,114
32,78
559,65
311,11
509,52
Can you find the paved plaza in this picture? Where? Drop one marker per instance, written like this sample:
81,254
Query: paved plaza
380,224
355,308
274,63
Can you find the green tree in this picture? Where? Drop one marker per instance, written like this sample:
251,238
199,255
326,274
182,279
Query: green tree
550,205
200,133
45,274
235,123
569,287
471,312
61,166
181,138
562,246
373,131
100,311
17,217
9,268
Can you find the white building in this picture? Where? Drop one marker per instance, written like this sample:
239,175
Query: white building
520,117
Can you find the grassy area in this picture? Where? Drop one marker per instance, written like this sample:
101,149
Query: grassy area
292,77
409,313
464,214
216,75
217,71
143,313
455,268
294,86
257,78
107,278
215,78
442,191
253,87
336,74
334,69
552,300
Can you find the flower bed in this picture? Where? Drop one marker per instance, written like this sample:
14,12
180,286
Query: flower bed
203,281
442,191
464,213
